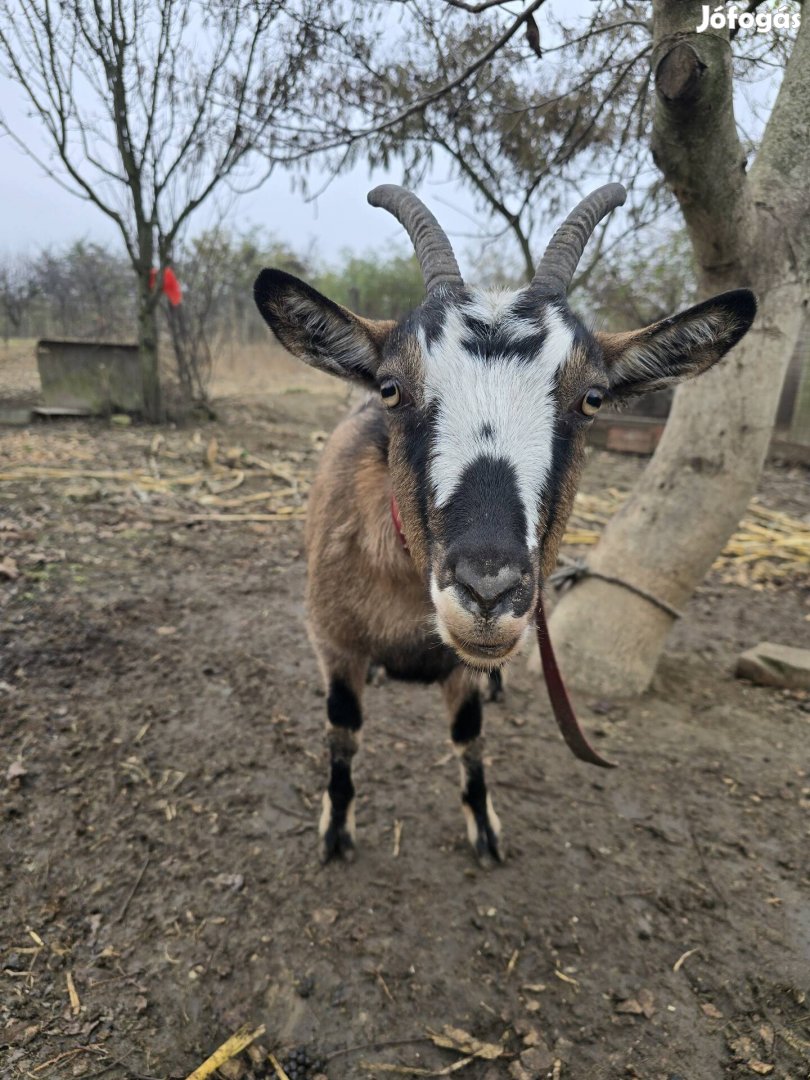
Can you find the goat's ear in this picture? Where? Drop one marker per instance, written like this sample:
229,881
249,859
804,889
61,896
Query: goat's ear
677,348
324,334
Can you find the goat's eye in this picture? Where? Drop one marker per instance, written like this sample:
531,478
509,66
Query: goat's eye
390,393
591,402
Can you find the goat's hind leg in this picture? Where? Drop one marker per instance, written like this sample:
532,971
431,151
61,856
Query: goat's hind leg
462,697
345,678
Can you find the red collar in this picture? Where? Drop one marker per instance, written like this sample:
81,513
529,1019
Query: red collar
398,523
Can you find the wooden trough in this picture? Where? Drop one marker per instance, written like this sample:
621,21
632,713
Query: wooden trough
89,378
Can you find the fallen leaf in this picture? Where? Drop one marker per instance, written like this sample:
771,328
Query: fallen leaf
711,1011
457,1039
647,1002
631,1007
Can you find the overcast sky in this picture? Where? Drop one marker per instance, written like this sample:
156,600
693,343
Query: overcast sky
38,213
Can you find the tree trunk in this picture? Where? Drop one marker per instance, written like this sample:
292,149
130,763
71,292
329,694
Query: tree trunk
148,349
746,230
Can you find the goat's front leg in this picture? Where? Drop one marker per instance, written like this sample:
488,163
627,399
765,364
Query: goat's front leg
462,697
345,678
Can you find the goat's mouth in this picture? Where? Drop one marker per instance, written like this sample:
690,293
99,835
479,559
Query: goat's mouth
484,655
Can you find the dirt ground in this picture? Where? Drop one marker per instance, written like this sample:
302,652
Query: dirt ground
162,764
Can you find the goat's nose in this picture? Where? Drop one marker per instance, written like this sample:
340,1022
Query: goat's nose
487,590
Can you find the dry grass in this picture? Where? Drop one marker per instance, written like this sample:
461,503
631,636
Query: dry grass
245,371
240,371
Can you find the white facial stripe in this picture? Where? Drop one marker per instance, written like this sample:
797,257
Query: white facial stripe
509,397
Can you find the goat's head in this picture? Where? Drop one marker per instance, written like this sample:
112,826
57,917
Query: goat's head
488,396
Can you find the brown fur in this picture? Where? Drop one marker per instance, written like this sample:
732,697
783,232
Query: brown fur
350,537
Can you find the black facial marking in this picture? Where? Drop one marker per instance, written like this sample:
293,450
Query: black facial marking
486,431
342,706
418,432
485,513
489,340
467,721
562,454
429,318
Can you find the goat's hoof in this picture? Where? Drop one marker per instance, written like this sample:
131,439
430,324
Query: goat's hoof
337,843
336,831
489,849
484,832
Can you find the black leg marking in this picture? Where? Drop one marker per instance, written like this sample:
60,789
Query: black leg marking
342,706
483,827
337,817
496,686
476,800
467,721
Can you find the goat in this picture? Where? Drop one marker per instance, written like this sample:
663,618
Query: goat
440,503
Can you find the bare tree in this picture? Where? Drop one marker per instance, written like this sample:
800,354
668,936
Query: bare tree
18,287
149,106
747,227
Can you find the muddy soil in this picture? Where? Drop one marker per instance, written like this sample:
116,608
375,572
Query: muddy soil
161,770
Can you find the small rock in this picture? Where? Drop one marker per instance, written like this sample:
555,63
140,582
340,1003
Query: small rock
324,916
776,665
234,882
537,1059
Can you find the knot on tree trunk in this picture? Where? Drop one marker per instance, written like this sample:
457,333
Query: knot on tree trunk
678,75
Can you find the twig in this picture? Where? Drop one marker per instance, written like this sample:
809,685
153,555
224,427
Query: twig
384,986
229,1049
280,1073
286,810
67,1054
684,957
75,1002
385,1044
123,912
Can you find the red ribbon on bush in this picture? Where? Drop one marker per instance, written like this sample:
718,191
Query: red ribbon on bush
171,286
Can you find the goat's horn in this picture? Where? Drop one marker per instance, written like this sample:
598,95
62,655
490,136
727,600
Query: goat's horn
433,250
559,263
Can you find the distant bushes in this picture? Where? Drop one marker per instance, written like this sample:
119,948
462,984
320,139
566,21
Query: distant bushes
87,291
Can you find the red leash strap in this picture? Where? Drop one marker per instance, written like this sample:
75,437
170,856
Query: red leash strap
558,696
